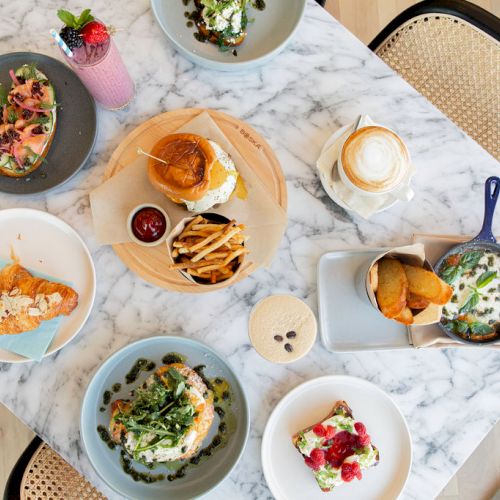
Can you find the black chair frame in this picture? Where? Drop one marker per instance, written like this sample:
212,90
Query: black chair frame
13,487
478,17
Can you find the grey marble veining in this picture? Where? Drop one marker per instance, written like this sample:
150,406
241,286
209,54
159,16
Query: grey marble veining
323,80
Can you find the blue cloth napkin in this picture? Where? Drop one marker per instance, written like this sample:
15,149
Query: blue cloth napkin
32,344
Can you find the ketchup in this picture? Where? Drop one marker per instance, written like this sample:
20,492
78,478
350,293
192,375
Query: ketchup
149,224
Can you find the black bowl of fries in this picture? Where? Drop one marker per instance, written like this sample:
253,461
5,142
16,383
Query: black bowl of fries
207,249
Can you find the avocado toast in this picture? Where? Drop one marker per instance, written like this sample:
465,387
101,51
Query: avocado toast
337,448
27,121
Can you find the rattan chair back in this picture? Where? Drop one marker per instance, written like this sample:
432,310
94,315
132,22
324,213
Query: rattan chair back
455,65
48,476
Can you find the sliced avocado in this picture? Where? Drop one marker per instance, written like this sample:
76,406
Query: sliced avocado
4,159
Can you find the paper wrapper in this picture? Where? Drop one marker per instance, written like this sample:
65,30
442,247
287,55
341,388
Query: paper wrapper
413,255
432,335
263,217
244,265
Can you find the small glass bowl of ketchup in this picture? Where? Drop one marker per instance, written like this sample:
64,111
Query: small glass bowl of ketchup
148,225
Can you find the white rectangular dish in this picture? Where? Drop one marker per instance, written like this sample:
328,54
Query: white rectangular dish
348,322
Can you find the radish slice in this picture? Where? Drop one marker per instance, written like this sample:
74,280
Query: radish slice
16,156
14,78
31,108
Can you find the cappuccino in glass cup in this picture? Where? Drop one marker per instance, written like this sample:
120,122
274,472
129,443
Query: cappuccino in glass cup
375,161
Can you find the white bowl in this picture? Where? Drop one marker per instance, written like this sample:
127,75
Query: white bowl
137,240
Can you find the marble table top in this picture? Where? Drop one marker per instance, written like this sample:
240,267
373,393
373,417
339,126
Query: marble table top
323,80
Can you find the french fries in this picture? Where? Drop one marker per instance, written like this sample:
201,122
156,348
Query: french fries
210,252
402,290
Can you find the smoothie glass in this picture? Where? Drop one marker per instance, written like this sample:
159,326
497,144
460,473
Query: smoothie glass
100,67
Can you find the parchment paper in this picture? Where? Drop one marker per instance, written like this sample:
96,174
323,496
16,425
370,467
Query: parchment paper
413,255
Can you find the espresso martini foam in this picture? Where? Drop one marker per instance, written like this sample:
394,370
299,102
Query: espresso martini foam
374,159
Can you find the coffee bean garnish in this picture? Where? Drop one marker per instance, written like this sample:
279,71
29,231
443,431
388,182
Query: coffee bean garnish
291,335
278,338
288,347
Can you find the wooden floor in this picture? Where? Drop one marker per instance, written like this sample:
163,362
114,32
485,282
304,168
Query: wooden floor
479,478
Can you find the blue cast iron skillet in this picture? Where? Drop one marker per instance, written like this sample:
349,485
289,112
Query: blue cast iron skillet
483,241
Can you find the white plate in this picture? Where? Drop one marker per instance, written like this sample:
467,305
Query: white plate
289,478
46,244
348,322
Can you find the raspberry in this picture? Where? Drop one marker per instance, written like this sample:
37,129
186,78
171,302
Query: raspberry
344,444
350,471
347,473
310,463
360,428
330,432
318,456
319,430
364,440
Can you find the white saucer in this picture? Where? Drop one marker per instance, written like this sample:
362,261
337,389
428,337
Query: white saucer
289,478
326,182
45,243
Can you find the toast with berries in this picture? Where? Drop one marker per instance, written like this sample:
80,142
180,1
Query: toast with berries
336,449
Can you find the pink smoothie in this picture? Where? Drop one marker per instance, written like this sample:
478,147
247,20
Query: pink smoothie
101,69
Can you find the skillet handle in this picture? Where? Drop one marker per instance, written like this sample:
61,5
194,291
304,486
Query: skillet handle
491,192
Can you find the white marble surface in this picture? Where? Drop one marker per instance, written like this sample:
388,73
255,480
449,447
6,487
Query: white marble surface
325,78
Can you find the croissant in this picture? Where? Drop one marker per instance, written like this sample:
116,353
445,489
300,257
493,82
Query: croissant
26,301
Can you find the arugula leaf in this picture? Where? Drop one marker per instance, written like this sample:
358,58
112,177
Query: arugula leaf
451,273
470,259
40,120
485,278
459,326
478,328
11,116
3,95
469,304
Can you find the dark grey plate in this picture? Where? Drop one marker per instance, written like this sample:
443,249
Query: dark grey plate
76,128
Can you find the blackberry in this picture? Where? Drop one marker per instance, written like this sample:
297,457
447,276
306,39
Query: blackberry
71,37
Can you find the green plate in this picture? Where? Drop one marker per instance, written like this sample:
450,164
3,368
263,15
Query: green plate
199,479
268,34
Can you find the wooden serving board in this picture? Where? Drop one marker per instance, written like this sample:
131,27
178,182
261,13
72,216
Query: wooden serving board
151,263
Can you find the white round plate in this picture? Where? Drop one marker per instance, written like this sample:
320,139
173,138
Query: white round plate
328,187
268,34
45,243
287,475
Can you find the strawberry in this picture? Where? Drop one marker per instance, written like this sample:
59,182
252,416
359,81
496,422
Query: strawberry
94,32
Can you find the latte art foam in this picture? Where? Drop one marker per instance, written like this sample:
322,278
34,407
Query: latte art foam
374,159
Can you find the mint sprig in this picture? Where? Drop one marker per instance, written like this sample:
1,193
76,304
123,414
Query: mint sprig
74,22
